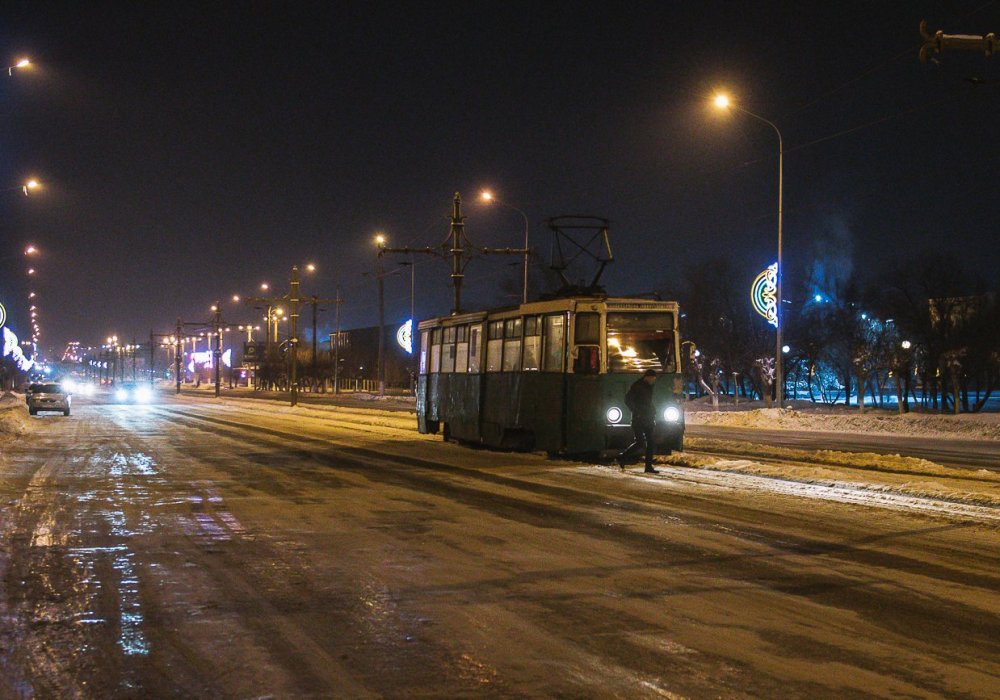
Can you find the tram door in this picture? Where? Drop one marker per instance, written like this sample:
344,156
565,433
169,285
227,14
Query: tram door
583,408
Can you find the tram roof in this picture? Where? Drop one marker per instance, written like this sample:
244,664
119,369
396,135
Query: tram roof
572,303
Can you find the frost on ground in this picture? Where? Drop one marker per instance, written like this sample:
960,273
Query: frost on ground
975,426
13,415
868,479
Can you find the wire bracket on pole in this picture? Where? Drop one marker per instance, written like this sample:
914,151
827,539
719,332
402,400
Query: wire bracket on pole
937,42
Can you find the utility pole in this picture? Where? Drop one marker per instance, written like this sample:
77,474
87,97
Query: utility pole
293,340
379,273
335,343
178,354
458,249
316,301
217,352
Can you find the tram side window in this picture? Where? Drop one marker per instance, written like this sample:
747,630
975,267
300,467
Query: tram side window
475,342
462,349
494,346
424,340
512,345
586,339
448,350
555,343
532,343
436,351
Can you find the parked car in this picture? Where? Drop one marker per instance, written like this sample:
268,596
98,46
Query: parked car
49,396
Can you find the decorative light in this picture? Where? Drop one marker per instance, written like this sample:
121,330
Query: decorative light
906,344
764,294
404,336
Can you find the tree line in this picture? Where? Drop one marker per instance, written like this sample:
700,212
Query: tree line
925,333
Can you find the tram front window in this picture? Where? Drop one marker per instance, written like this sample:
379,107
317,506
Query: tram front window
641,341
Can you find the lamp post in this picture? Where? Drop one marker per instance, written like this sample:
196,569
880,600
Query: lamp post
488,196
380,276
723,102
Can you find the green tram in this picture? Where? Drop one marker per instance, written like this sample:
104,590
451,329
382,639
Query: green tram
550,375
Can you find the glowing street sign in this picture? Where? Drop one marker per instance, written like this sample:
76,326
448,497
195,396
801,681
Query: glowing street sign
404,336
764,294
3,315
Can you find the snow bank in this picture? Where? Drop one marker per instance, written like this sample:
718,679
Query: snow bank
975,426
13,415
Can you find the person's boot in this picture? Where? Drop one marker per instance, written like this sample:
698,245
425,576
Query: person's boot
649,469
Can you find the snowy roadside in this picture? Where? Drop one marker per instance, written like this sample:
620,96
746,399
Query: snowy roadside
884,481
13,416
966,426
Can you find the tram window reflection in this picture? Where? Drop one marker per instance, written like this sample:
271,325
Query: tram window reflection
462,349
475,341
532,344
436,351
641,341
424,341
555,342
512,345
494,346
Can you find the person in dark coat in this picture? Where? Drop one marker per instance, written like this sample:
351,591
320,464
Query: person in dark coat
639,400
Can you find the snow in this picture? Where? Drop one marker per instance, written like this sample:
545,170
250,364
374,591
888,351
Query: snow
974,426
13,415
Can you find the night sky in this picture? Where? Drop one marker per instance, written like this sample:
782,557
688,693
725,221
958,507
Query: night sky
192,150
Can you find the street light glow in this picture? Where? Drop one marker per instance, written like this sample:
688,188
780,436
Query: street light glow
379,239
310,268
30,250
486,196
23,63
264,286
236,298
722,101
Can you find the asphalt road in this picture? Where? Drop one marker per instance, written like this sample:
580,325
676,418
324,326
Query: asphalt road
197,550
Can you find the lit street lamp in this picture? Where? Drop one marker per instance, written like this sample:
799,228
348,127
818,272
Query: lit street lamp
488,196
723,102
23,63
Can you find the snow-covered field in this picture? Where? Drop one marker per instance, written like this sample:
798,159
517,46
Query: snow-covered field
974,426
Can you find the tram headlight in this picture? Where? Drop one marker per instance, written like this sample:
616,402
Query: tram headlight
121,395
143,394
671,414
614,414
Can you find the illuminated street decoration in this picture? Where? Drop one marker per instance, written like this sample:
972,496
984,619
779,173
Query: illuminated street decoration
764,294
12,349
404,336
3,315
204,358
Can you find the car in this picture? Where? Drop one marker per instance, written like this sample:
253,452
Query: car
48,396
130,392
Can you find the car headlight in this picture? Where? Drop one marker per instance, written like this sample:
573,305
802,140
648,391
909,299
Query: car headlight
614,414
143,394
69,386
86,389
671,414
121,395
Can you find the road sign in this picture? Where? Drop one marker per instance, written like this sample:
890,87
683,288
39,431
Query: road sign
252,352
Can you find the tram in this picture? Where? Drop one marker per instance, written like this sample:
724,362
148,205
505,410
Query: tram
550,375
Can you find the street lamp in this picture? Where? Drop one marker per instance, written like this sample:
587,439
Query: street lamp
722,101
488,196
23,63
380,276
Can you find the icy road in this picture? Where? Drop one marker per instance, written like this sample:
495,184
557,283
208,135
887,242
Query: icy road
203,549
